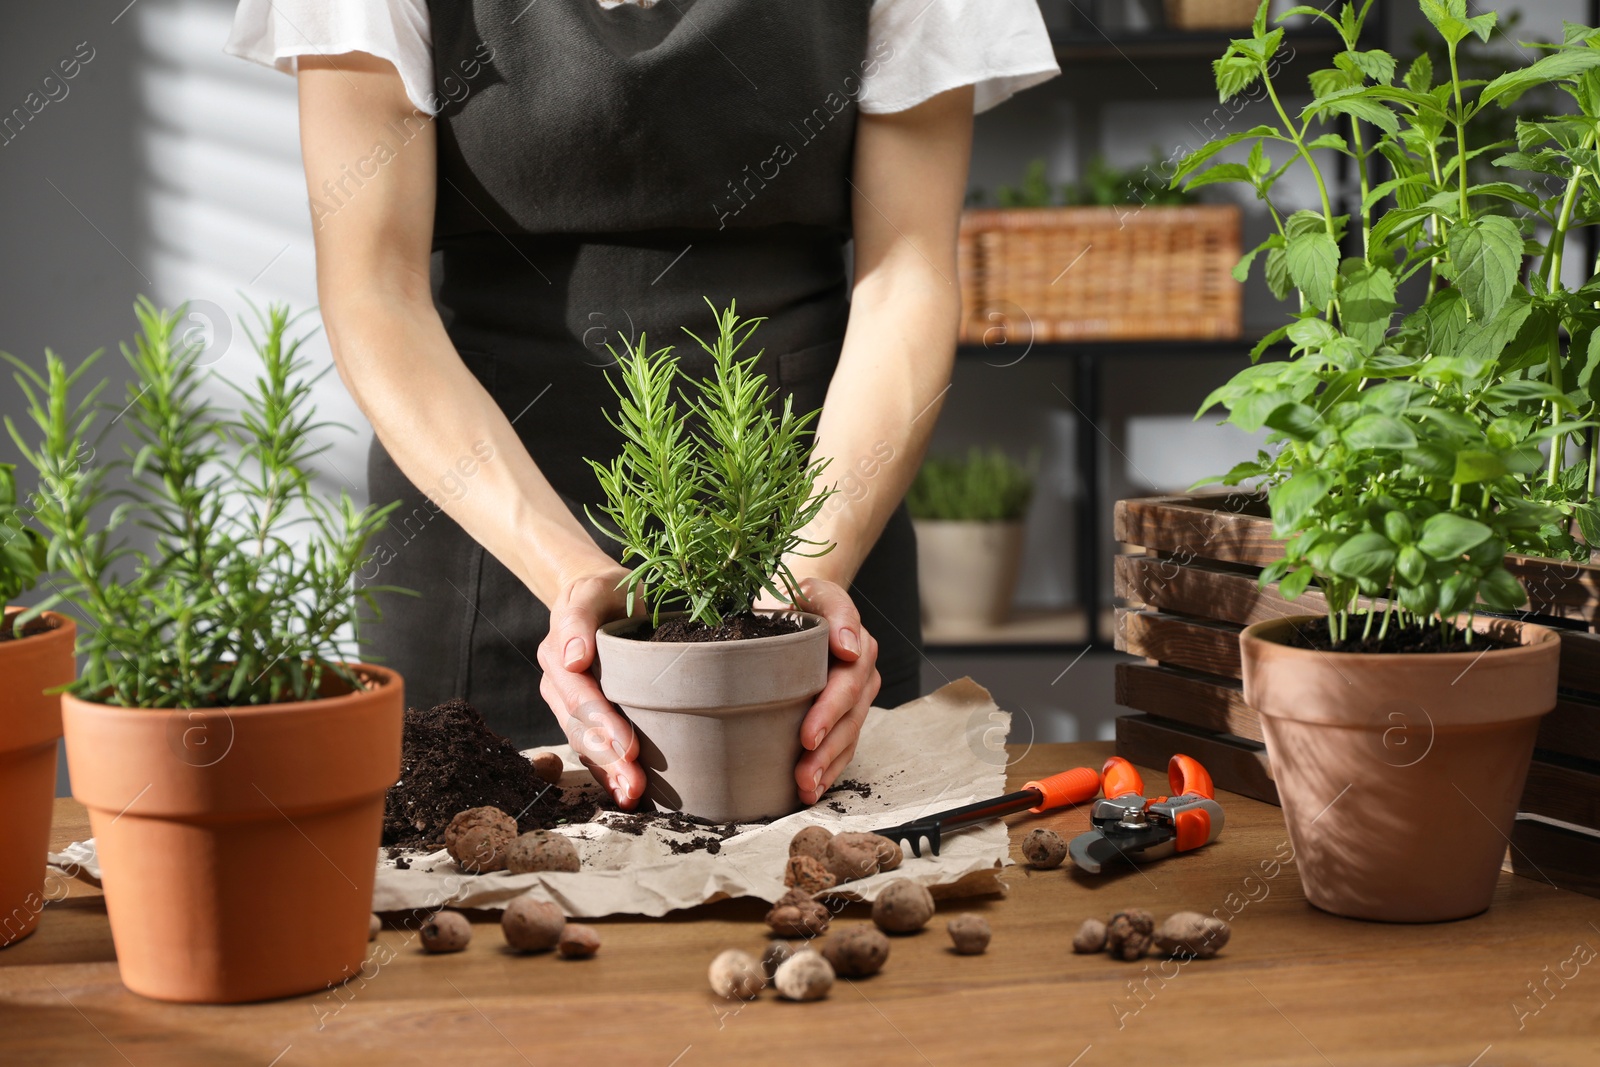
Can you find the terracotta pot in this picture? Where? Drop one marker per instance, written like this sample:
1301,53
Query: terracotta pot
30,723
967,571
718,722
1400,774
238,846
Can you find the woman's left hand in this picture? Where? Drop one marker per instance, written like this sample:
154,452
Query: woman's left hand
833,725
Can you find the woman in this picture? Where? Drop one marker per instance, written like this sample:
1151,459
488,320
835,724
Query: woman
502,188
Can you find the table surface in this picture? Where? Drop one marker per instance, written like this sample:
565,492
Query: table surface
1294,986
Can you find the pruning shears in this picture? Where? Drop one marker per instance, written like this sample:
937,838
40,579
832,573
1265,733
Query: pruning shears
1131,828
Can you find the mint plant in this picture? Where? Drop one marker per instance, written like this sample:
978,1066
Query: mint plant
1408,457
986,486
216,576
714,482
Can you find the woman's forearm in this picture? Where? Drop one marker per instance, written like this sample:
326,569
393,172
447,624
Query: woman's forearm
881,407
448,436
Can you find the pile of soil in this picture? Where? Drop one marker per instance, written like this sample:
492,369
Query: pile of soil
451,761
1399,639
733,628
846,785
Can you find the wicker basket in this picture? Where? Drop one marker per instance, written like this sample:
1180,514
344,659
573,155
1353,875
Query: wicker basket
1099,273
1210,14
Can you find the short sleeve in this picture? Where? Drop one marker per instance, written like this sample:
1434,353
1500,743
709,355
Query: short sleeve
275,32
917,49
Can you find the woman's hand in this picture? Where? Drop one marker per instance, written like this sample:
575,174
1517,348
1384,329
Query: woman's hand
598,733
833,725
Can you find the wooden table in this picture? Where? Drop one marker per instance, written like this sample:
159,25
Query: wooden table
1294,986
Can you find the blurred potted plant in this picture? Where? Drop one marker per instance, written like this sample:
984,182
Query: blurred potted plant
35,660
1409,460
232,760
1116,255
706,514
968,516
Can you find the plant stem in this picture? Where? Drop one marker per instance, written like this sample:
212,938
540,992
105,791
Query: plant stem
1361,171
1300,145
1461,132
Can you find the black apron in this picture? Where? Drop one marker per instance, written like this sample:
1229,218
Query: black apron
602,172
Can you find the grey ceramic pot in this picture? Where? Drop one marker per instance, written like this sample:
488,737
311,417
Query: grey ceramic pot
718,722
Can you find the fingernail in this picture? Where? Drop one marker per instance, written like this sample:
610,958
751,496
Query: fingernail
573,653
850,641
816,780
625,792
619,748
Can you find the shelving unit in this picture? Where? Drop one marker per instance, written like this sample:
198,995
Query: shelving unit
1159,65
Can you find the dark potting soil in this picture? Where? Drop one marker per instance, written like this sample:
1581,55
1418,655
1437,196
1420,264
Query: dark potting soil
1399,639
451,761
34,628
708,836
733,628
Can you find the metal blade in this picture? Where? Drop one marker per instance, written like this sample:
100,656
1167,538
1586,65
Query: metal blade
1092,850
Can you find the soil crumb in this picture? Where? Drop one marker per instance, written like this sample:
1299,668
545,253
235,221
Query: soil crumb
706,836
733,628
1399,639
450,761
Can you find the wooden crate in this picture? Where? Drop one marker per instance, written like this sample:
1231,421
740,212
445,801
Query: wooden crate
1187,584
1099,273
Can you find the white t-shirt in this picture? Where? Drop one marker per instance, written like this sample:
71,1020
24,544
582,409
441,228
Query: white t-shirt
999,47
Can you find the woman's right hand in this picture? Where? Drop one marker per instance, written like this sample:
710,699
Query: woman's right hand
598,733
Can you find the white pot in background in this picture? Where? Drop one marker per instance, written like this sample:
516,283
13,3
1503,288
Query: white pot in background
967,571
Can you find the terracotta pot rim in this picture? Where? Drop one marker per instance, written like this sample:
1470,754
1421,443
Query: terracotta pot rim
611,632
385,678
57,621
1537,637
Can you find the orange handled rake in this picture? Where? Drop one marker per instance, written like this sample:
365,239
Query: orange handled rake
1069,787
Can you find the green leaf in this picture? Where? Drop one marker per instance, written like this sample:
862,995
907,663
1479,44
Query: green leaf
1419,76
1366,302
1313,263
1330,140
1221,172
1448,536
1412,564
1476,465
1366,555
1312,332
1500,591
1276,270
1234,74
1194,160
1291,499
1241,269
1375,64
1378,431
1299,421
1359,107
1485,256
1295,583
1554,67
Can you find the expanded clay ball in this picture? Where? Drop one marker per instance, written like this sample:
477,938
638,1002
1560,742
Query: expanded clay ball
858,952
1129,933
970,934
1091,937
811,875
804,976
548,765
578,942
796,914
903,907
477,839
374,925
541,850
887,852
774,956
1044,849
1188,933
532,925
811,841
736,975
851,859
446,931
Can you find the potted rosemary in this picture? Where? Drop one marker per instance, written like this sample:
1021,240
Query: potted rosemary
968,515
1411,456
233,761
708,498
35,660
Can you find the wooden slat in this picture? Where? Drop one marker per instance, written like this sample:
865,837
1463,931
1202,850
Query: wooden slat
1563,788
1198,644
1215,704
1573,728
1237,765
1218,528
1580,662
1567,857
1206,591
1559,587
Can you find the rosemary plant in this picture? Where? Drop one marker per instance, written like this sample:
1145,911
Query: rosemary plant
985,487
713,485
22,549
217,602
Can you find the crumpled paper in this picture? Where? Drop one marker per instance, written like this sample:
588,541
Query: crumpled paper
940,751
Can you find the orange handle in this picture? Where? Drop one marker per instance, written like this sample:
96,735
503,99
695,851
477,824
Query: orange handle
1069,787
1120,778
1185,775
